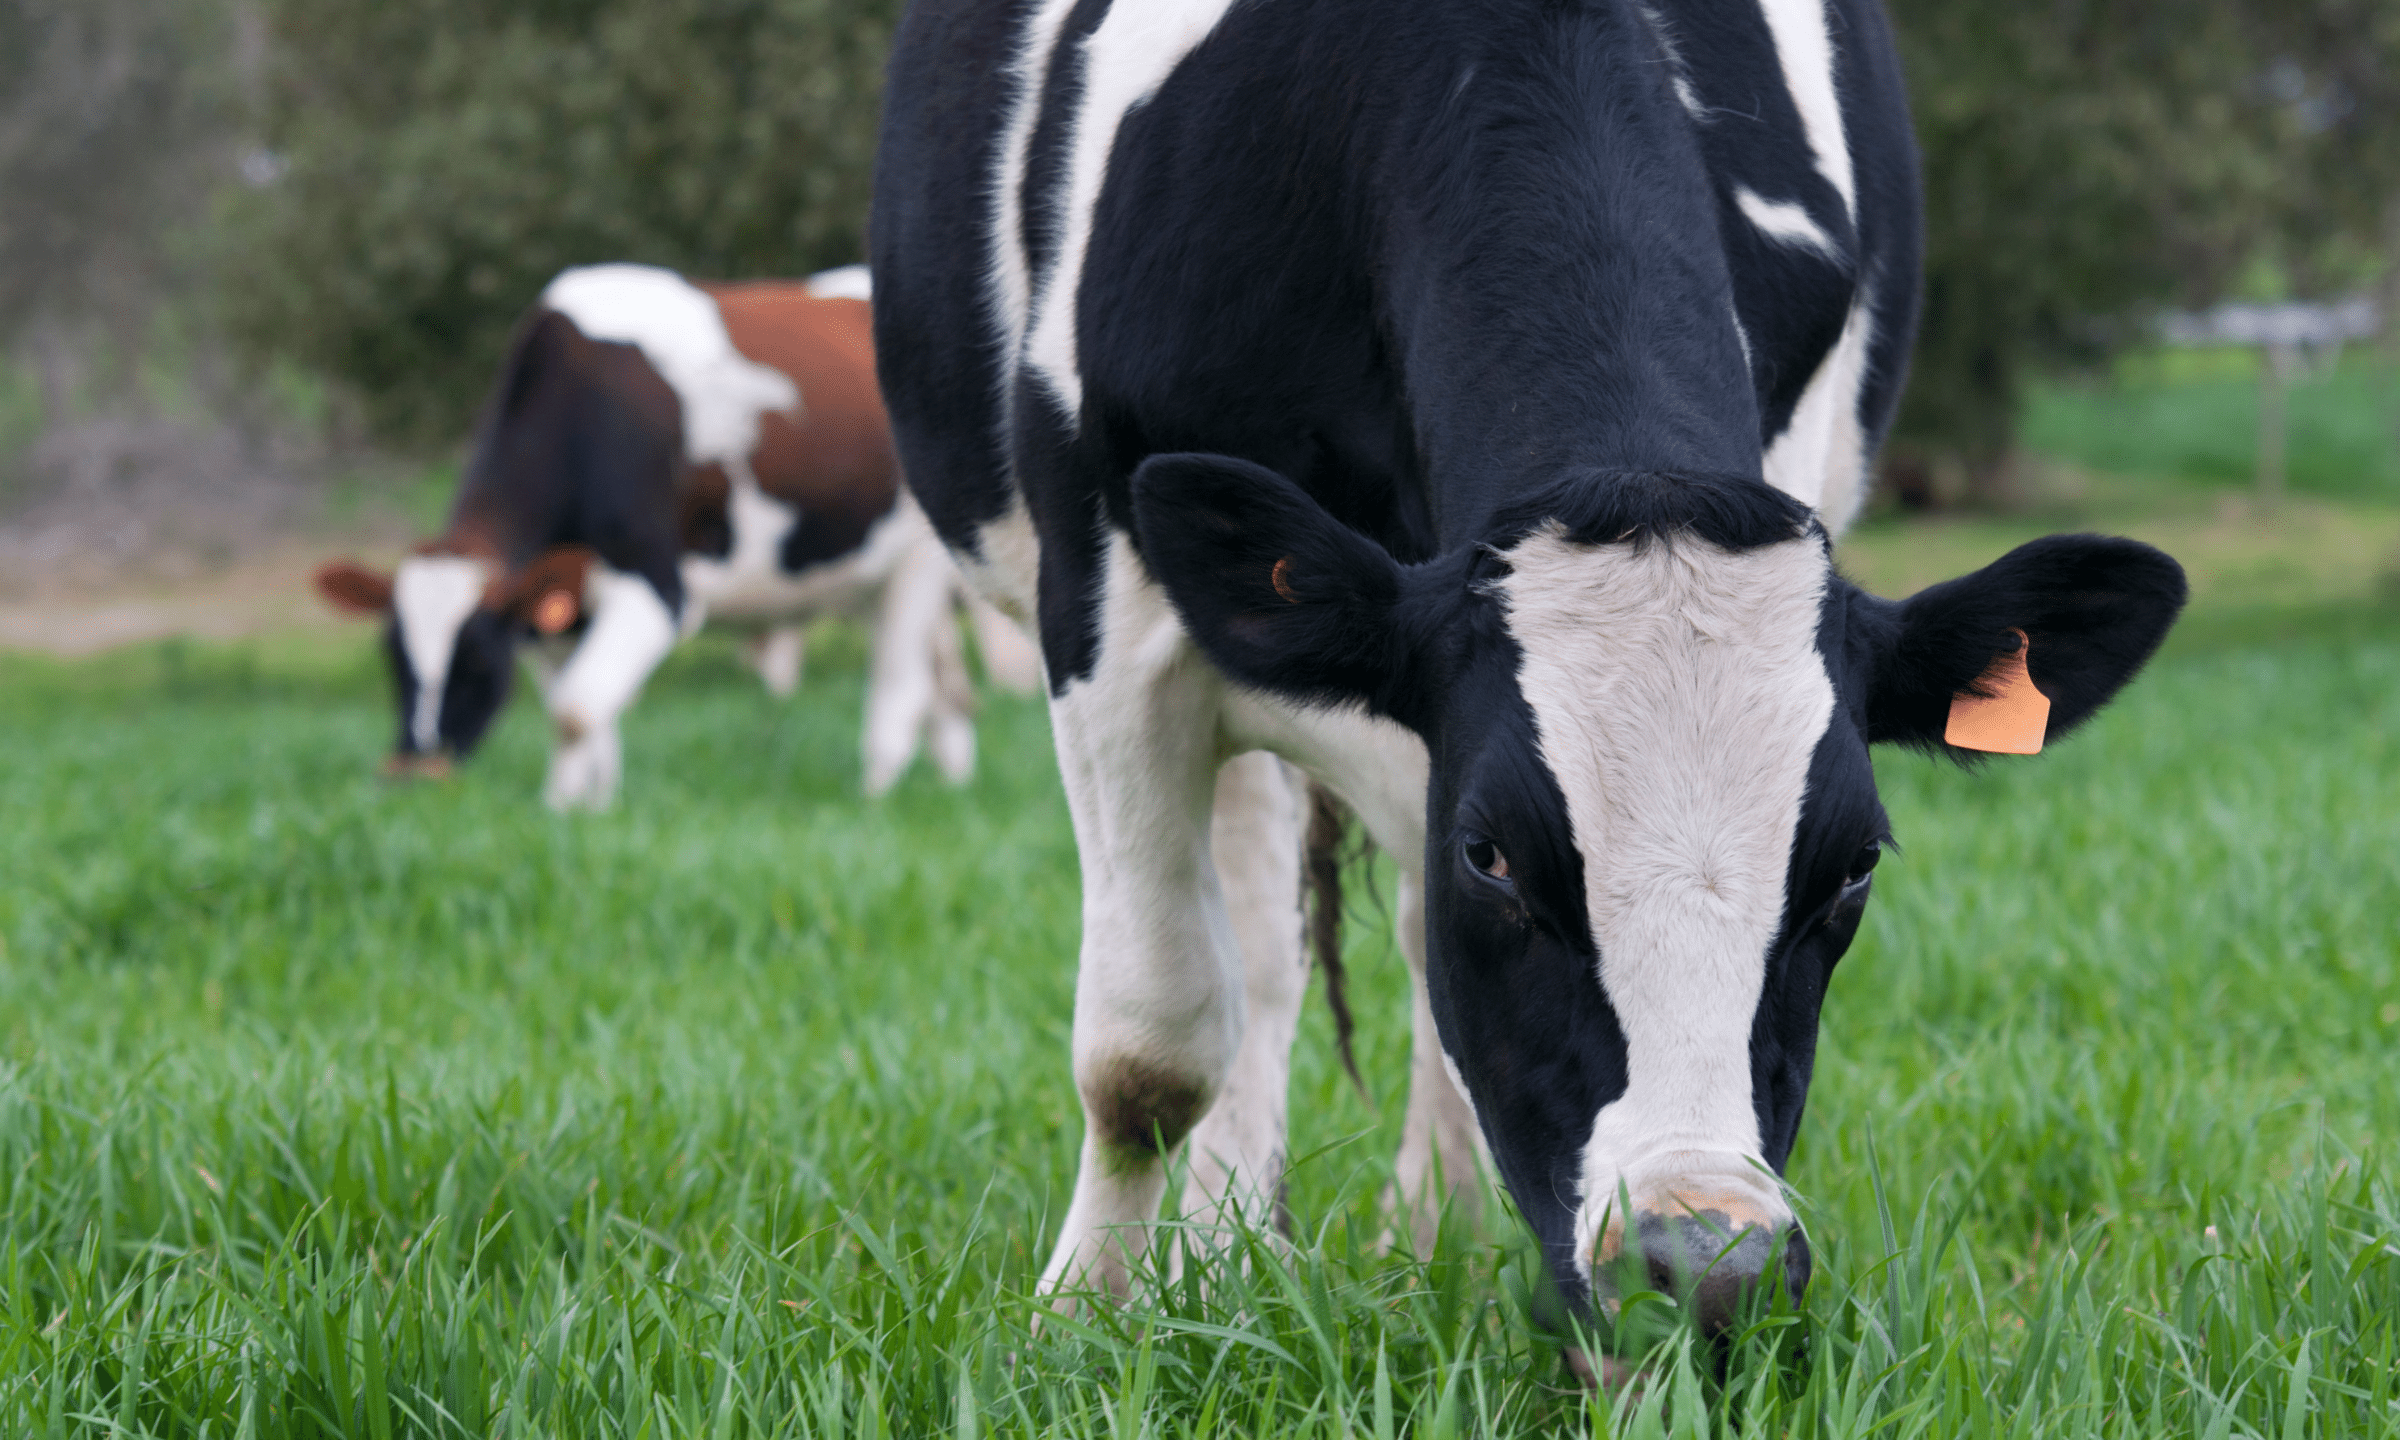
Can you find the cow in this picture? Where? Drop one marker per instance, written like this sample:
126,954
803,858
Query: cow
654,453
1457,403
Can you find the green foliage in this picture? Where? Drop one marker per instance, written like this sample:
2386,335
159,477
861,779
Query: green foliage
2193,416
113,125
2084,164
328,1108
447,158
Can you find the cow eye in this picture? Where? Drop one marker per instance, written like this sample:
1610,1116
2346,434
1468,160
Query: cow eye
1486,857
1864,864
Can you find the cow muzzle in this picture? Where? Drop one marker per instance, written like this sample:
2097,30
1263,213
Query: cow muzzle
1711,1230
403,765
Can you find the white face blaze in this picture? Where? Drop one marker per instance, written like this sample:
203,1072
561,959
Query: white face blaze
432,596
1678,697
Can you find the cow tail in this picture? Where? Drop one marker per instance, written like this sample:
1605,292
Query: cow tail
1328,822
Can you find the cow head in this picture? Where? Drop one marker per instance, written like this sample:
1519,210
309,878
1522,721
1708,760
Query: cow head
1652,823
451,631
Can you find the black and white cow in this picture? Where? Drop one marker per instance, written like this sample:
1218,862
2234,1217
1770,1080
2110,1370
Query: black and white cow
1456,401
657,452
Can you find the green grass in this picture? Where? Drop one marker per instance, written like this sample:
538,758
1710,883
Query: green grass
2193,415
334,1109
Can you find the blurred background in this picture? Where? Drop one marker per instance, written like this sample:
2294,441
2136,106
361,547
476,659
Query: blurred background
258,259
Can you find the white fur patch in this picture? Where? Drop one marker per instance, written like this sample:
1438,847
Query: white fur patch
682,335
1805,48
1785,222
1011,277
1820,459
1126,59
845,282
432,596
1679,697
750,583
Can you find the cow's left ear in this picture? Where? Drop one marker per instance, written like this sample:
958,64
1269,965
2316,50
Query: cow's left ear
547,596
2091,609
1280,594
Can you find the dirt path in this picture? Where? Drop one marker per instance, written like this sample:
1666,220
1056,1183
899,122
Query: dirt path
261,594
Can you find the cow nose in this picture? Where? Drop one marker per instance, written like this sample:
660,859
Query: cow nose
1713,1263
404,765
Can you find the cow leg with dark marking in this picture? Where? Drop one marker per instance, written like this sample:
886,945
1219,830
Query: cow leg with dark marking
1236,1152
1159,981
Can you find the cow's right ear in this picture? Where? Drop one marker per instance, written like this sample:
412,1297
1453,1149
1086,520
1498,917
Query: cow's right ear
1279,594
353,588
547,596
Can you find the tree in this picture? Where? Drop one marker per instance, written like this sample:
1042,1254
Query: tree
444,158
115,124
2087,161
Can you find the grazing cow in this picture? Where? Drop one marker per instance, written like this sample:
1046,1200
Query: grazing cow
1456,401
654,453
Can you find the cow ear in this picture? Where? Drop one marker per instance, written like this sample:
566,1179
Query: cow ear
352,588
547,596
1280,595
2080,613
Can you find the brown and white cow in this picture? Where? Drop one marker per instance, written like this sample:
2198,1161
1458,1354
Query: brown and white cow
655,453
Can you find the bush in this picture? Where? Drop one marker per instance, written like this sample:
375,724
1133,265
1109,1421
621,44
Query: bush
446,157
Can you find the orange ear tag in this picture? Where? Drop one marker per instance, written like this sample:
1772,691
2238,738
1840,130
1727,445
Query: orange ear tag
2011,719
555,611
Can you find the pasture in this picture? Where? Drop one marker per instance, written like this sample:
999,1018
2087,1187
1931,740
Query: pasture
328,1108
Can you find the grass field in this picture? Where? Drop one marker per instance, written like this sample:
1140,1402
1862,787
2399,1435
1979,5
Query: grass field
333,1109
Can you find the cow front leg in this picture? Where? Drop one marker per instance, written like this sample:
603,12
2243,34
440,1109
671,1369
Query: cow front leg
1237,1151
1441,1155
1158,984
630,633
1379,770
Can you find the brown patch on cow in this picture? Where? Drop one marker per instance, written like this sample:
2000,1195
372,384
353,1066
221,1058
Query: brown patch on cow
1140,1113
570,728
833,460
352,588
